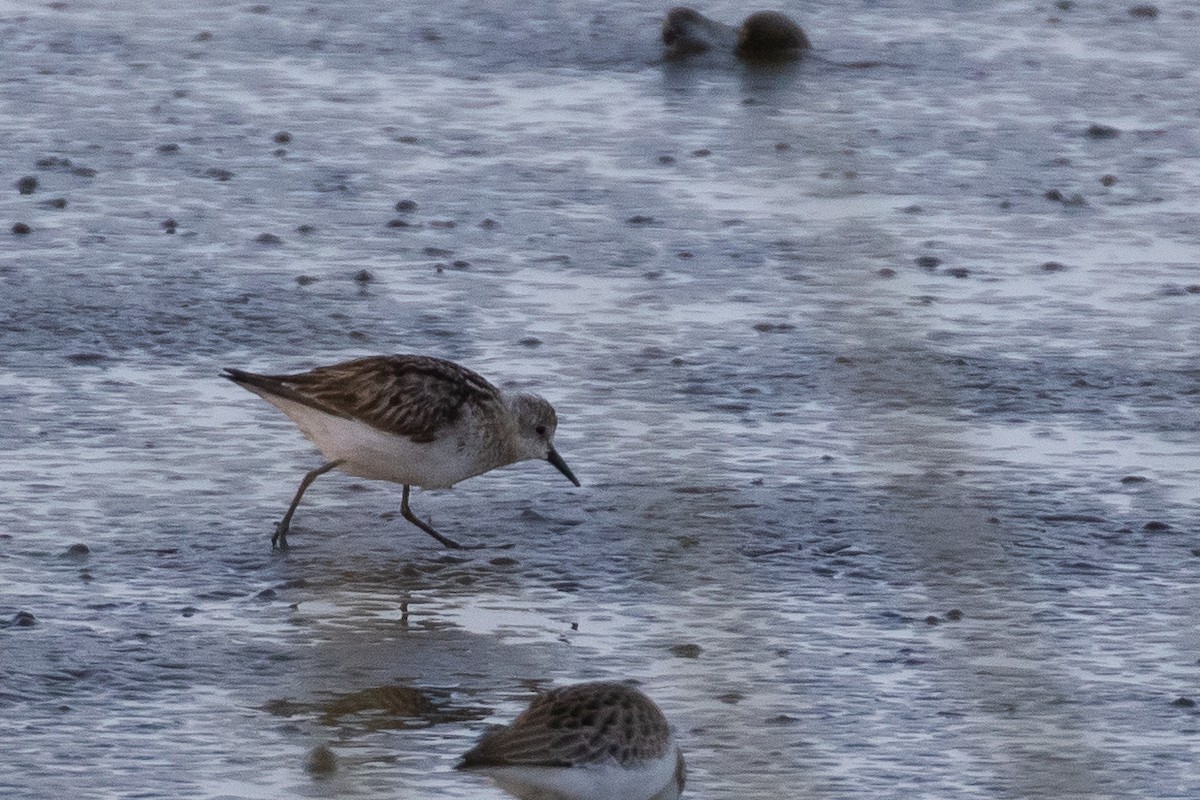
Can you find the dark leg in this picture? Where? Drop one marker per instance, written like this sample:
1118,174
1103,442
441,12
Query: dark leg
407,513
279,540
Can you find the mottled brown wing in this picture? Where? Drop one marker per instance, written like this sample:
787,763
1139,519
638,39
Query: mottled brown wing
407,395
581,724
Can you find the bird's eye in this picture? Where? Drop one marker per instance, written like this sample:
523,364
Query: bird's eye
540,430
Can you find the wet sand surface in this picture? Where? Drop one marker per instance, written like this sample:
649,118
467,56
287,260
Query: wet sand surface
881,382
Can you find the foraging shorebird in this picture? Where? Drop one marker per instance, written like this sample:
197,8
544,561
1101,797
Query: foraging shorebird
590,741
410,419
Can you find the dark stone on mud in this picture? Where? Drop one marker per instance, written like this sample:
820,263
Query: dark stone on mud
958,272
1098,131
268,238
443,224
86,358
954,615
77,550
21,229
687,650
1129,479
169,225
932,619
306,229
489,224
320,761
504,561
23,619
53,162
27,184
84,172
363,276
1184,702
685,254
702,152
640,219
460,264
401,223
1064,5
1144,12
1054,195
283,137
782,147
169,147
266,594
437,252
188,611
58,203
1156,525
666,160
218,174
928,262
406,206
1193,288
1053,266
1108,180
305,280
203,36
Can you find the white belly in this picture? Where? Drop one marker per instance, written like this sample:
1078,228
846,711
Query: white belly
652,781
370,453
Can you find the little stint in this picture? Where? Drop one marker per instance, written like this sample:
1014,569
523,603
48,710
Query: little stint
590,741
410,419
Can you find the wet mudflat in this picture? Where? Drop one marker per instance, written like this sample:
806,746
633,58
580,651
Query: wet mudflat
881,382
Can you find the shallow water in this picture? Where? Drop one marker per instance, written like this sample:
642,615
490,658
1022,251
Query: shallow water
801,447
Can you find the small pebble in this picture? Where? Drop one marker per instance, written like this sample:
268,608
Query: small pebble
702,152
268,238
1144,12
928,262
169,147
886,272
406,206
27,184
932,620
954,615
363,276
305,280
1053,266
58,203
1155,525
77,550
1108,180
1097,131
306,229
23,619
640,219
1184,702
321,761
283,137
666,159
21,229
687,650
